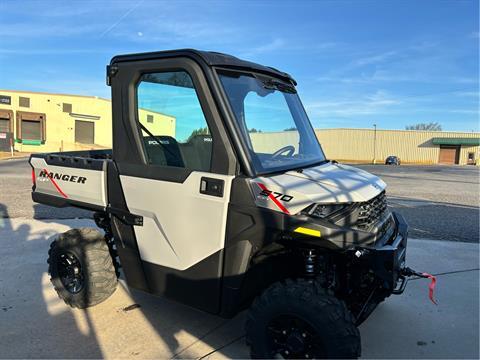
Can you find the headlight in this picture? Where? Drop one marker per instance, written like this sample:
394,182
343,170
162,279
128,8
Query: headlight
324,210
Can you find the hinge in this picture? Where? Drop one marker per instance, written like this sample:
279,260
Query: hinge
126,217
111,72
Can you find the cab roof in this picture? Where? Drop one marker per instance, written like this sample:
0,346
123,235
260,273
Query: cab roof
209,58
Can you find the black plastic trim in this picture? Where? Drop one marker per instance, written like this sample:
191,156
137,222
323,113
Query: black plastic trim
155,172
78,160
60,202
210,58
198,286
124,234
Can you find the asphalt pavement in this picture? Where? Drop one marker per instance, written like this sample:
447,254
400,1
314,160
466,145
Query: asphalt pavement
35,323
438,201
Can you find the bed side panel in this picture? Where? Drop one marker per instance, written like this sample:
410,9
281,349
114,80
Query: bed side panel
69,184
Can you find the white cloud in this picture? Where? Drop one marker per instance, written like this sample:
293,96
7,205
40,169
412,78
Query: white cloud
374,59
375,103
276,44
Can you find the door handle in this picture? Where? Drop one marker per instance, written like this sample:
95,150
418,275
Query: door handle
210,186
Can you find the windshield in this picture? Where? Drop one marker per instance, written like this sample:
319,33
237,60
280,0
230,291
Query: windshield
272,122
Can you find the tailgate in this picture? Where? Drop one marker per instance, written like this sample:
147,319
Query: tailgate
69,181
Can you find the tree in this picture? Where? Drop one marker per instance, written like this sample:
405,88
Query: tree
253,130
293,128
433,126
200,131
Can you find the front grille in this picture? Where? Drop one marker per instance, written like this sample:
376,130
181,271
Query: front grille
371,211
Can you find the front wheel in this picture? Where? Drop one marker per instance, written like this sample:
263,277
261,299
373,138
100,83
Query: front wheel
81,267
299,319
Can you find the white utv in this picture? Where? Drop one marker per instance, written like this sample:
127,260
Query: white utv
217,194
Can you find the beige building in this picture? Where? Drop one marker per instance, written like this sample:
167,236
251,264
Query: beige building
45,122
367,145
411,146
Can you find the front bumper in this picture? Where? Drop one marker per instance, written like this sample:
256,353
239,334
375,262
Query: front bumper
388,256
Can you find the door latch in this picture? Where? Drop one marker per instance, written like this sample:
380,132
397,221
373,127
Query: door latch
210,186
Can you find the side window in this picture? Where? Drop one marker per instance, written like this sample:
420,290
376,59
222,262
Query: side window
174,129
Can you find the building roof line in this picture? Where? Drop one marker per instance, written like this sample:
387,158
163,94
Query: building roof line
80,96
474,133
56,94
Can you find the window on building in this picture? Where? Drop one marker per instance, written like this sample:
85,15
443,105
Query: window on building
67,108
84,132
24,101
150,118
179,137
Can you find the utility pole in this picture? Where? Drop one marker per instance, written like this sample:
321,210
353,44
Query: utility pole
374,144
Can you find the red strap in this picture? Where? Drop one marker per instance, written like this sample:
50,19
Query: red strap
431,286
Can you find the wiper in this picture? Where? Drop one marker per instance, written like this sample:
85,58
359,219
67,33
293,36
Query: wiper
278,85
317,164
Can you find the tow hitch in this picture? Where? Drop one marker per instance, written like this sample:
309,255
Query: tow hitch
406,273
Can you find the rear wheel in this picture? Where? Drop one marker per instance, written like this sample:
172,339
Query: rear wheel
299,319
81,267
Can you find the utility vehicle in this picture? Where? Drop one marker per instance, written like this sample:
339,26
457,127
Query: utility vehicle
217,194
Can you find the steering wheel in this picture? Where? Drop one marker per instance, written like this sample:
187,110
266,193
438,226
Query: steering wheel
288,150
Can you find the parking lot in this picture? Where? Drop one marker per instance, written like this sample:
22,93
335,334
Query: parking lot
441,204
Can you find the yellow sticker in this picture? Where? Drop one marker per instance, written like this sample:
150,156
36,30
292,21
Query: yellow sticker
306,231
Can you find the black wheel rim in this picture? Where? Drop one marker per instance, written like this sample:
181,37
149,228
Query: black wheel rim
291,337
70,272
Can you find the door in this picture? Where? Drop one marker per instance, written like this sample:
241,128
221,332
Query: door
448,155
173,173
84,132
31,130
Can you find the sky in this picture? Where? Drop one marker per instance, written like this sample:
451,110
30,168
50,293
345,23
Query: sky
357,63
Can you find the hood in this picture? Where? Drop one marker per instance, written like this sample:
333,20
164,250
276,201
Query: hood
329,183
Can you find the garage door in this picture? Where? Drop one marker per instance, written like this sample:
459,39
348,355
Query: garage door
448,155
31,130
84,132
4,125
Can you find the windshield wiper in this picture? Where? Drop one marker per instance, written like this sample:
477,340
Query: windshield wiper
278,85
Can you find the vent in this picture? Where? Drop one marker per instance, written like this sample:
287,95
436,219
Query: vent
24,101
371,211
67,108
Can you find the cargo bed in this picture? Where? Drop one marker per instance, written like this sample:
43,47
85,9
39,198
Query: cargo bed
76,178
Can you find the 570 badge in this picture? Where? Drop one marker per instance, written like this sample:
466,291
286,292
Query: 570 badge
276,195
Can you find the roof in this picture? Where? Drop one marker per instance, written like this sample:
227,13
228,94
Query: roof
54,94
210,58
456,141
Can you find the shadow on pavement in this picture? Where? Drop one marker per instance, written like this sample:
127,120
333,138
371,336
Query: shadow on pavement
33,323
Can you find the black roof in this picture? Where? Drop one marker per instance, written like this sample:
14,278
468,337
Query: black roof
210,58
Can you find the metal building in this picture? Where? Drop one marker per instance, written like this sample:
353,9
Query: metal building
412,146
46,122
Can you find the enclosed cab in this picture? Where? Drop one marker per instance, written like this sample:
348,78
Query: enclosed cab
225,198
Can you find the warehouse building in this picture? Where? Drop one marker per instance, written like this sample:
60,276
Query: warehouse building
369,145
45,122
411,146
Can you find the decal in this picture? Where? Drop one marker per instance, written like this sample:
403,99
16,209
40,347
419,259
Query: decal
270,194
307,231
64,177
47,175
283,197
